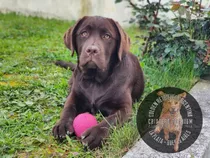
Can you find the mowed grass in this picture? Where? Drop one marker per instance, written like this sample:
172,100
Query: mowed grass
33,89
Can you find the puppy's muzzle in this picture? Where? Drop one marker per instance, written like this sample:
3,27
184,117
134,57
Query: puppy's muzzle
92,50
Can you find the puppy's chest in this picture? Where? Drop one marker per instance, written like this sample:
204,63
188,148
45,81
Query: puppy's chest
172,123
99,97
96,94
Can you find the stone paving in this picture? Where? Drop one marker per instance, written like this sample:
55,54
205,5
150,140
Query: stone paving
200,148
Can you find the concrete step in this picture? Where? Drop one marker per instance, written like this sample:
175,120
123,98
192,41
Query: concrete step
200,148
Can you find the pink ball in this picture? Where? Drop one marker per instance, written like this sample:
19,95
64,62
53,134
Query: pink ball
83,122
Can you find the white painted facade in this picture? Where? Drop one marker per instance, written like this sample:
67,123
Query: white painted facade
73,9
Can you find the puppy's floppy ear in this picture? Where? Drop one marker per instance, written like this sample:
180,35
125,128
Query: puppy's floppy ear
124,40
69,35
160,93
183,95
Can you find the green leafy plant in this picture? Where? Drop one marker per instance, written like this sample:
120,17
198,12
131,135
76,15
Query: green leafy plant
167,46
147,16
187,36
191,17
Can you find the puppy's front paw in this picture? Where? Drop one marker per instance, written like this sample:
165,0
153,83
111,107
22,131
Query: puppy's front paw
157,130
176,147
94,136
61,129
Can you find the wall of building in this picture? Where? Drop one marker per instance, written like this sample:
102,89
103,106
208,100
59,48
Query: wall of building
68,9
74,9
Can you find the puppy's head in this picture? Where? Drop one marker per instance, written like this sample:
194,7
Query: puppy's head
172,104
99,42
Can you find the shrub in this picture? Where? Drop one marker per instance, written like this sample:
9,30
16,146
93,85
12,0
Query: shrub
188,34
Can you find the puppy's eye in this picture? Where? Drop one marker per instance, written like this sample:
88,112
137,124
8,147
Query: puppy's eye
176,102
106,36
84,34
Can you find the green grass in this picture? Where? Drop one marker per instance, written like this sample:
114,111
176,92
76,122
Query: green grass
33,89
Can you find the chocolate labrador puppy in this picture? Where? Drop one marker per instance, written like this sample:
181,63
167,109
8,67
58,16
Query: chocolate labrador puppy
106,79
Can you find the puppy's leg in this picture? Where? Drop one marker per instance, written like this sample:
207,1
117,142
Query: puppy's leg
176,144
166,134
157,129
159,125
64,125
93,137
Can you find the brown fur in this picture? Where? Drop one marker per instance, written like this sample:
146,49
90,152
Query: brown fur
107,78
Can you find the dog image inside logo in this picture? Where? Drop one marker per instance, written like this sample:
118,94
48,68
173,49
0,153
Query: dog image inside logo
170,120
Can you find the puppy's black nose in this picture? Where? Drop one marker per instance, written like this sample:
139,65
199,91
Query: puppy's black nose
91,50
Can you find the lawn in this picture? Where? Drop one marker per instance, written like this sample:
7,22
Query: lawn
33,89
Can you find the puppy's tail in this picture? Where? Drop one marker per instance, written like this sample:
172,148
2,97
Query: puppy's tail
66,65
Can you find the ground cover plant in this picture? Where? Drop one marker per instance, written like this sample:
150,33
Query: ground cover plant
33,89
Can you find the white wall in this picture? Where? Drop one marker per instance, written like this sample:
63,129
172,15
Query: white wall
74,9
68,9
